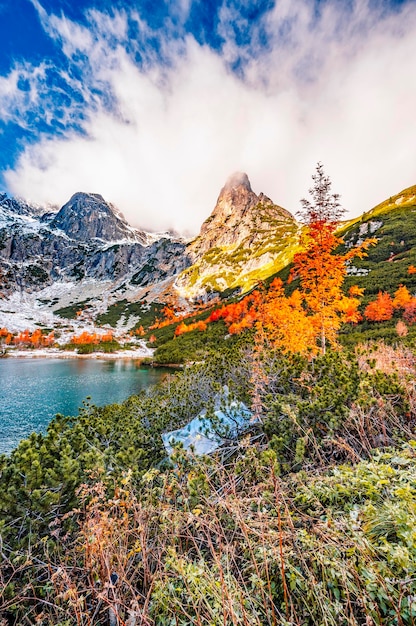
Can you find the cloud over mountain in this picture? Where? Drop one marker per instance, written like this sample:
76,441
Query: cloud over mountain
155,118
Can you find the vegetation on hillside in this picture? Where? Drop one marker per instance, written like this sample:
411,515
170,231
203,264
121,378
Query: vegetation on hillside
261,533
306,518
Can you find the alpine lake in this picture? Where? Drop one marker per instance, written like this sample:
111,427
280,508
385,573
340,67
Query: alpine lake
34,390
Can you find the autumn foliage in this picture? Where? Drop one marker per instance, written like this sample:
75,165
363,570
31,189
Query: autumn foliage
380,309
183,328
86,338
34,340
5,336
402,297
239,315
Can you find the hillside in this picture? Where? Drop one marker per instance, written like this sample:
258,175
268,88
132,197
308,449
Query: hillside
393,223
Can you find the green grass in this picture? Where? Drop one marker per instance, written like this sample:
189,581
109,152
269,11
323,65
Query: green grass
104,346
70,312
146,312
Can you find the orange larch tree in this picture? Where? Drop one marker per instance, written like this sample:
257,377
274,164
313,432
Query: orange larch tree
321,271
380,309
285,323
402,297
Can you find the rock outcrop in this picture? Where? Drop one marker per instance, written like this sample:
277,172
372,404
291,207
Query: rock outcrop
246,238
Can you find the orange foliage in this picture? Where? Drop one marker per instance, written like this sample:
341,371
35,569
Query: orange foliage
411,269
239,315
402,297
348,307
169,313
322,275
170,317
380,309
285,323
5,336
86,338
356,291
32,340
184,328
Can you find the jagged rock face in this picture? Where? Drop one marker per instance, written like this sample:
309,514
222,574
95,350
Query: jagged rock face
164,258
86,239
237,217
243,234
89,216
12,205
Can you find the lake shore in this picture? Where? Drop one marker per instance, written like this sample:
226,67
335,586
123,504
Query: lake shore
55,353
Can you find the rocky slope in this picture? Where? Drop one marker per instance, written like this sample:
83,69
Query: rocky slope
246,239
86,239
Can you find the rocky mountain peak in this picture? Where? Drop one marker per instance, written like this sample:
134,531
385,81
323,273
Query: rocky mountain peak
236,196
88,216
236,216
238,179
243,241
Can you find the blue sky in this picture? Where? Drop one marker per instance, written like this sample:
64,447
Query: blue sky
154,104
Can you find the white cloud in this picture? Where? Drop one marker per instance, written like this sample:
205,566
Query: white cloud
20,91
340,89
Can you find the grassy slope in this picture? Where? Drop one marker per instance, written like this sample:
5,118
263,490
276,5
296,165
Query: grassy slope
388,261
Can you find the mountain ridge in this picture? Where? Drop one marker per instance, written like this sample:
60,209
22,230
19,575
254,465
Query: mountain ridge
86,250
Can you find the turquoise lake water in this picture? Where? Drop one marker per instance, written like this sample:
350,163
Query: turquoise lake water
32,391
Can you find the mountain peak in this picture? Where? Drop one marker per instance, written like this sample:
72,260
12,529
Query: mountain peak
238,179
84,196
88,216
244,232
234,219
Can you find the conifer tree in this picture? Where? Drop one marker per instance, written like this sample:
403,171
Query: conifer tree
320,269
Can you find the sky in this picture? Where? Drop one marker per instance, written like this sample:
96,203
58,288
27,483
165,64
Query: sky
154,103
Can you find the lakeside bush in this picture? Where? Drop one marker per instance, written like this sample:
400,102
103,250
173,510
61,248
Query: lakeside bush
261,533
204,543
